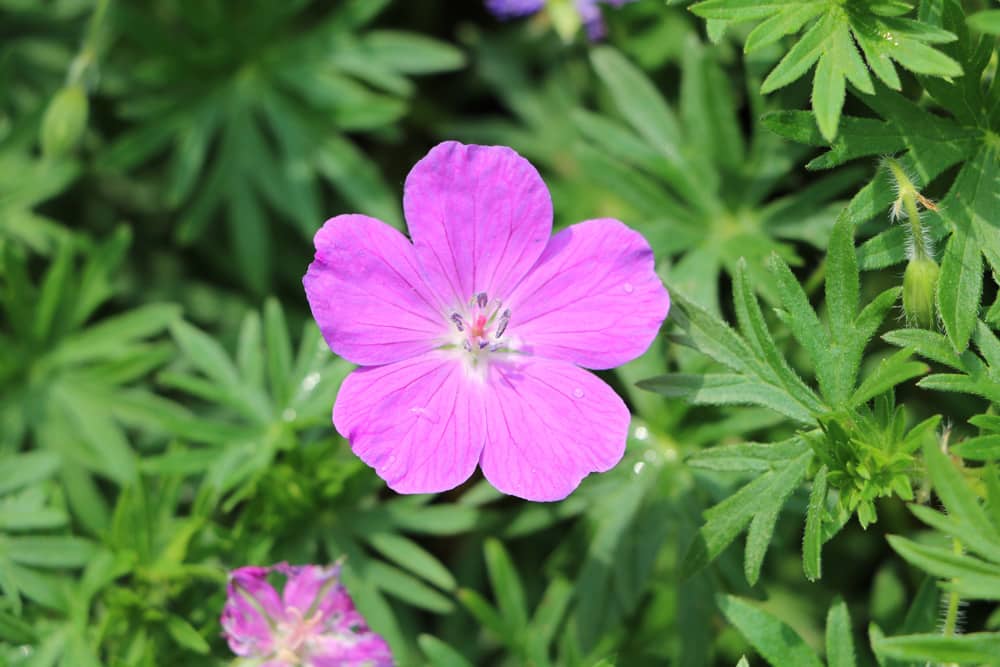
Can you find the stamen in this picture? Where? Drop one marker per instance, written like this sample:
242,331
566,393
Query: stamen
482,299
502,324
457,319
483,344
467,345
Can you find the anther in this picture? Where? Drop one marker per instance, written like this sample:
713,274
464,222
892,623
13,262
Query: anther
502,324
482,299
457,319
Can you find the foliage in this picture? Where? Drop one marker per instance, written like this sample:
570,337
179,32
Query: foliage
165,396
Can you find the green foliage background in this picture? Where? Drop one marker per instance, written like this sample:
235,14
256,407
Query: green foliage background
165,398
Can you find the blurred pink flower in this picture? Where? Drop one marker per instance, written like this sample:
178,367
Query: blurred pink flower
312,623
473,339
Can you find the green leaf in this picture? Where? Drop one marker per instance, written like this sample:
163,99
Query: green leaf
549,614
765,494
839,643
987,20
980,448
812,541
842,281
960,500
928,344
26,469
186,636
748,456
890,372
440,654
974,578
399,584
408,554
756,332
506,586
279,351
790,20
985,545
410,53
205,353
46,551
976,647
107,338
801,57
739,10
960,286
483,612
639,101
828,97
772,638
728,389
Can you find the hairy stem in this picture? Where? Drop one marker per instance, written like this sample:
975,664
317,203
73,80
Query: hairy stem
908,195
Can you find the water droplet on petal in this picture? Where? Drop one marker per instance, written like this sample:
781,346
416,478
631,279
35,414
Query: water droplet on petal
628,288
578,393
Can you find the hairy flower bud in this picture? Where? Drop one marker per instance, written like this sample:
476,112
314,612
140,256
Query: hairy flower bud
919,287
64,121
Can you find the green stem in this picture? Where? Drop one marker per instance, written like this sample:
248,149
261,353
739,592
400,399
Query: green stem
91,46
908,195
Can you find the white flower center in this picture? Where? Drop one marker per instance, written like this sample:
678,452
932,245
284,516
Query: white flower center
291,636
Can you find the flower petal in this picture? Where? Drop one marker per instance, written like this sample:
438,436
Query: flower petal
246,628
479,217
361,650
367,295
418,422
304,583
508,9
593,298
549,424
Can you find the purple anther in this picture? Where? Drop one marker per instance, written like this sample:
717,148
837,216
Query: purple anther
467,345
483,344
502,324
457,319
482,299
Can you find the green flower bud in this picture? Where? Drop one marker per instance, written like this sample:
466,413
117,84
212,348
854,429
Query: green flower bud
919,287
64,121
565,18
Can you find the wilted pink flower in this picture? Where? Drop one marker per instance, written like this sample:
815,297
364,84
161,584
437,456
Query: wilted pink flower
312,623
472,338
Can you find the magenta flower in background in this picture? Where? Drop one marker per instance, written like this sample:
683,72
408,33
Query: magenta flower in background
473,339
590,12
312,623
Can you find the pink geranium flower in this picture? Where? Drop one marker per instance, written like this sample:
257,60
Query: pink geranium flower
473,339
312,623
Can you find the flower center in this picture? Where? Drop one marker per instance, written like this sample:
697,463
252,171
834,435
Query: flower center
292,635
481,326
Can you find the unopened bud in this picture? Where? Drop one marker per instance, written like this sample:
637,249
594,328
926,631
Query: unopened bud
64,121
919,287
565,17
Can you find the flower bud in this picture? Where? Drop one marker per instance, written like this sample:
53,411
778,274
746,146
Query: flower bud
64,121
565,18
919,287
